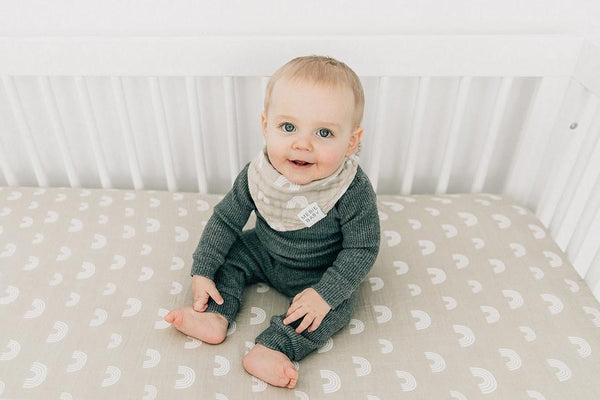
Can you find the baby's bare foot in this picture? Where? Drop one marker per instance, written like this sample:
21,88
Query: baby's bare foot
271,366
208,327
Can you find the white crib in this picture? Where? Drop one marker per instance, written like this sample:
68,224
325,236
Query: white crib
516,116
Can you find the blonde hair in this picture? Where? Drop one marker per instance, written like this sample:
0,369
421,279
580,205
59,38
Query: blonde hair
320,70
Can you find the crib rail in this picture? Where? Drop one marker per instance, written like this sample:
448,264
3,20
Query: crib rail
422,55
513,115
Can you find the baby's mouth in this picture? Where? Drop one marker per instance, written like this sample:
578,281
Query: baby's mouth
300,163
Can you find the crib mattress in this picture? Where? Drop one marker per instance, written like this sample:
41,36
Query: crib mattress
469,298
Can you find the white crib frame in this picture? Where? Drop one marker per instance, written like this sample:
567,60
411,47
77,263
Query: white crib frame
566,197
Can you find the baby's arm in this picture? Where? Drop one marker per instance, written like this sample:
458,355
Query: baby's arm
359,219
221,231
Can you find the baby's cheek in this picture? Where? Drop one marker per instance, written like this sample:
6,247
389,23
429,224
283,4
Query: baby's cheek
275,153
332,159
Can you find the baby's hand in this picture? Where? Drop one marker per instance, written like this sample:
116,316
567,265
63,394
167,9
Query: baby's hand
310,305
204,289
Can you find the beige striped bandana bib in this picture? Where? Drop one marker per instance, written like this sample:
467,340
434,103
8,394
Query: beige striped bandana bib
287,206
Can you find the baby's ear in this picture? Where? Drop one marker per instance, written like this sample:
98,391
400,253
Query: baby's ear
263,121
354,141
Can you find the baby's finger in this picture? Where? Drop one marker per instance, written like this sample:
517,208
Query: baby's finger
315,325
292,309
294,316
200,308
200,302
306,322
216,296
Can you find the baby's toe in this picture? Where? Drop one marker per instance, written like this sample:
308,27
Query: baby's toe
174,317
170,317
291,373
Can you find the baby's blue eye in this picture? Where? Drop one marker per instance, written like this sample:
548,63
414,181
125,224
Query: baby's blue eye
287,127
324,132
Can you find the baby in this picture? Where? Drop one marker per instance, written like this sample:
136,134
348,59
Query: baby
317,228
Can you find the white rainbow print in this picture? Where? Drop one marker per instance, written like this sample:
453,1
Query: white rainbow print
40,372
333,382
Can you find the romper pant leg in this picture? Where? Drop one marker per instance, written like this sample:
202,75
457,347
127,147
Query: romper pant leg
283,338
242,267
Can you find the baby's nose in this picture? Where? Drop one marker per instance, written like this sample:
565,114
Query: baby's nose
302,142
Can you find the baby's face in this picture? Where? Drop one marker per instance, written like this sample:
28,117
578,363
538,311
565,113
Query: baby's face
309,129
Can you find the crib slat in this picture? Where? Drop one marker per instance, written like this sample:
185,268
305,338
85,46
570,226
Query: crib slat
231,112
492,138
453,134
530,149
163,132
594,275
582,178
125,122
59,129
584,243
196,126
415,133
379,134
585,237
86,106
24,129
567,173
594,282
592,272
7,171
9,176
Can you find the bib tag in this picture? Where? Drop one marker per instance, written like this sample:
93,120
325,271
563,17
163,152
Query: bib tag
311,214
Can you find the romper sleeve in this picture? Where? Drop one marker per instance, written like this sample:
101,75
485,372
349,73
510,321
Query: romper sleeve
223,228
359,221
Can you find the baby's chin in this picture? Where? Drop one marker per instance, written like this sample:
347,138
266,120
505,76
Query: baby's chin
303,180
295,177
297,180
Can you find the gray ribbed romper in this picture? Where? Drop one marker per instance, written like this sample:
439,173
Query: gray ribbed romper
332,256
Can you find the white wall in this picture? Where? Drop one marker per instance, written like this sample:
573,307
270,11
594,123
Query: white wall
193,17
